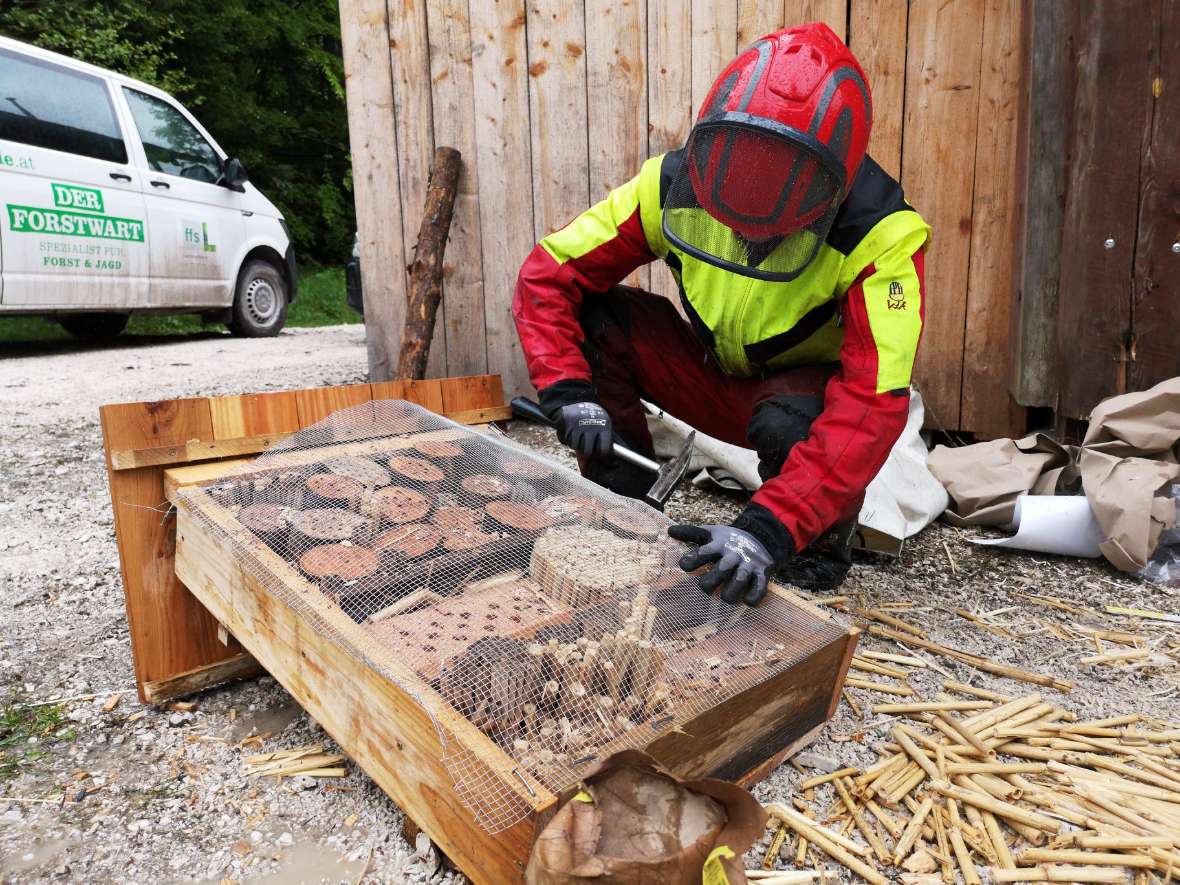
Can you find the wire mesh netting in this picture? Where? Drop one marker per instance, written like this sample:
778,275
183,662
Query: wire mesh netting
494,585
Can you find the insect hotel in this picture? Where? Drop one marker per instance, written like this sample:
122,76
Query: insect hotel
476,625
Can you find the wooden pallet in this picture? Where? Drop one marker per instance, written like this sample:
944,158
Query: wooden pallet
387,725
174,639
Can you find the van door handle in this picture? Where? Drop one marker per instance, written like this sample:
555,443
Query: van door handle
162,184
120,176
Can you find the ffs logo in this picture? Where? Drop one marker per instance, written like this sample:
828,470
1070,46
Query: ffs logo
896,296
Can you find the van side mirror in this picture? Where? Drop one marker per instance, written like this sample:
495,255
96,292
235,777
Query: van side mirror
233,174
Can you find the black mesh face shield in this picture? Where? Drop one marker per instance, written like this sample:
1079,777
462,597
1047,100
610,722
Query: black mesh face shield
753,197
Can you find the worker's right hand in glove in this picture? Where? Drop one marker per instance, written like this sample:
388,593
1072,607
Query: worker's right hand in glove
586,428
742,563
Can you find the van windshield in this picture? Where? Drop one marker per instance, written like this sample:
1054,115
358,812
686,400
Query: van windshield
173,145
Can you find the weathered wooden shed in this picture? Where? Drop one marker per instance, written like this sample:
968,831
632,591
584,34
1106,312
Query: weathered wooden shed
1029,132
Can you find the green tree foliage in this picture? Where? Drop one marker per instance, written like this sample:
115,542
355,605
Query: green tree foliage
264,76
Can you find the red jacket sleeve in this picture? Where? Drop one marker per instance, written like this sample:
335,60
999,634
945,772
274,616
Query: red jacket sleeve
589,255
865,405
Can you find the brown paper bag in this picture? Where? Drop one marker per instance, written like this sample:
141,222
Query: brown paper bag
631,822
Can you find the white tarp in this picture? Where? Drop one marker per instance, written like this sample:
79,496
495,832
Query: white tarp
902,500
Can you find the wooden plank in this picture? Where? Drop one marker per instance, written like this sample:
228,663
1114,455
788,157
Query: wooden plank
938,161
557,108
240,666
317,403
987,406
714,45
453,101
170,631
616,98
253,414
877,36
1110,112
465,394
669,98
369,88
833,13
503,155
756,18
194,450
1042,145
1156,309
400,748
427,394
413,115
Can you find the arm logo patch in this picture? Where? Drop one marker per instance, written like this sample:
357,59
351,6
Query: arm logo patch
896,296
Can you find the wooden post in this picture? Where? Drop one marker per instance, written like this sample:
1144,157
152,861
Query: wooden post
426,270
1042,149
364,34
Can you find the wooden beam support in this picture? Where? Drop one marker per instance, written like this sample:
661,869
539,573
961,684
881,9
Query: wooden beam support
240,666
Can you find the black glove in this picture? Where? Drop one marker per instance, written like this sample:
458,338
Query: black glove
585,427
743,564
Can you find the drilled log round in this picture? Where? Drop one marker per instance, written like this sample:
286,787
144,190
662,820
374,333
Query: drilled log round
418,471
525,468
567,509
438,450
344,561
480,488
453,517
333,490
467,539
267,521
411,541
513,516
310,528
366,472
632,523
398,504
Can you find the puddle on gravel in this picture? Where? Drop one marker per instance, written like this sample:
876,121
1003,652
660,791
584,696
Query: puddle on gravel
39,853
272,720
307,863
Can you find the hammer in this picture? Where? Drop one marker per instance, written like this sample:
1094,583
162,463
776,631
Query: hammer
668,476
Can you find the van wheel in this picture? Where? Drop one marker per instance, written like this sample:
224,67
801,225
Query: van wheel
94,326
260,302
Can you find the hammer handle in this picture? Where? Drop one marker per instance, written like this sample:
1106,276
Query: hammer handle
526,409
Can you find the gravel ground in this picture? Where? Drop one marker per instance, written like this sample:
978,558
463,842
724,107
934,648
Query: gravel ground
157,795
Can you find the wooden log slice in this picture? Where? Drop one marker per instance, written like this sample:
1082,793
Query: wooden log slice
632,523
398,504
267,521
453,517
438,450
366,472
514,516
467,539
525,468
411,541
333,490
415,470
311,528
480,488
347,562
567,509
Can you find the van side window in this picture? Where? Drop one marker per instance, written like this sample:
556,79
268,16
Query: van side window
48,106
173,145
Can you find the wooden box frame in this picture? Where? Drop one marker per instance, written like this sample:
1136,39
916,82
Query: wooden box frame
383,724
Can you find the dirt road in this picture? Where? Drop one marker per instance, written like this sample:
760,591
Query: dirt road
157,795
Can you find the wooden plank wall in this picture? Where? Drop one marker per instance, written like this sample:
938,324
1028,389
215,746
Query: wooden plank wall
552,103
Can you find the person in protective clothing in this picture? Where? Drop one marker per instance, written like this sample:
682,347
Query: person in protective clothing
800,268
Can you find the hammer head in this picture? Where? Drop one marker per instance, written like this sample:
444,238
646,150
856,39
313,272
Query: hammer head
670,475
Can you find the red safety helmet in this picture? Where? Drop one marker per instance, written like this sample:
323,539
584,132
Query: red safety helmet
774,149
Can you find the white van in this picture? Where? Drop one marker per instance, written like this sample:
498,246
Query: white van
117,201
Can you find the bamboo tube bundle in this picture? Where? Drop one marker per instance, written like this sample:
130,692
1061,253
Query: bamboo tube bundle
580,566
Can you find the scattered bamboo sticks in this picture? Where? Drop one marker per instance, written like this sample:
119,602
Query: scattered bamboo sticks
310,760
993,781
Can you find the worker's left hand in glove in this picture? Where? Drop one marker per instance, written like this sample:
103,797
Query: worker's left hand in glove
743,563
